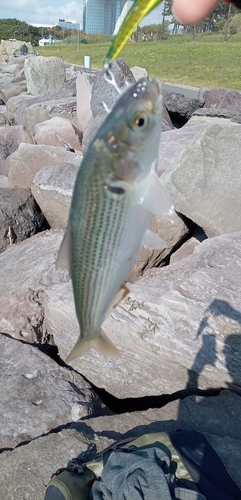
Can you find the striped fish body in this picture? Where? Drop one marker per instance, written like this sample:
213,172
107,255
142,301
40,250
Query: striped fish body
108,217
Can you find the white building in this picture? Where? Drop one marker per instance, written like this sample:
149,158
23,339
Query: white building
46,41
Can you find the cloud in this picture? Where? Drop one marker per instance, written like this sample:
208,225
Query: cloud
45,11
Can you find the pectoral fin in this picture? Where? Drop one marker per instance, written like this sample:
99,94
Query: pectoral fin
156,199
63,259
153,241
100,343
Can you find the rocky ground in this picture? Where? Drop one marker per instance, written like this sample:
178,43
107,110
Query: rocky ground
179,329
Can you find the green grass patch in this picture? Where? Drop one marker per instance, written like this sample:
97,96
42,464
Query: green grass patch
206,62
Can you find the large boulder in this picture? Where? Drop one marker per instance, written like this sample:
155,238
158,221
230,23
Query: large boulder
12,136
17,48
25,270
52,188
183,319
29,159
12,90
84,84
44,74
228,99
55,129
205,182
214,115
34,463
180,107
20,216
37,395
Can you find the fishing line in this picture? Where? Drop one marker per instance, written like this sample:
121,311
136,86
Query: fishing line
110,77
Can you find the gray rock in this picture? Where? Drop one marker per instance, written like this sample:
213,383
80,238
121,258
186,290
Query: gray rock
139,72
173,233
44,74
183,319
188,247
37,395
12,136
12,90
18,48
34,463
14,102
29,159
84,85
4,183
3,119
20,216
205,174
173,143
228,99
58,129
52,188
25,270
180,107
64,107
10,68
211,115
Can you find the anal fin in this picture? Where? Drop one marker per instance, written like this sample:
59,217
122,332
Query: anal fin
121,295
63,259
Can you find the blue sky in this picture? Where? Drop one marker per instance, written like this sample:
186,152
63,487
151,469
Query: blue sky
49,11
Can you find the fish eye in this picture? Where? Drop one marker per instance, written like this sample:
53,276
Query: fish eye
139,121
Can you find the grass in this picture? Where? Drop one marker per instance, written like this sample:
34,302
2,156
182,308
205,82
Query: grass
206,62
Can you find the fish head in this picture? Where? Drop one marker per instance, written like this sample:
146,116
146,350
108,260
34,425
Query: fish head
131,131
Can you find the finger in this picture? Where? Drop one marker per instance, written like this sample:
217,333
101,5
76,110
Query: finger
192,11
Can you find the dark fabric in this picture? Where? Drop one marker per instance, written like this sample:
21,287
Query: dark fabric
139,474
204,466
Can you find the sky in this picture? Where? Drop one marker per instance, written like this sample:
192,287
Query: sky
49,11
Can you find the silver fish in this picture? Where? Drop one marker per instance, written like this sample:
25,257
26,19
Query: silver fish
116,191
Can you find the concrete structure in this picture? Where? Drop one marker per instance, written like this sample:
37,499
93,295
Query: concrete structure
104,16
69,25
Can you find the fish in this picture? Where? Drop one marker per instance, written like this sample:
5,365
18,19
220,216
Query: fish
115,192
137,12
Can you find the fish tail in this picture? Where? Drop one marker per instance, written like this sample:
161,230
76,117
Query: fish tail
100,343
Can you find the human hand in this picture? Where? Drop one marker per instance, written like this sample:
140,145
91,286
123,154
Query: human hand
192,11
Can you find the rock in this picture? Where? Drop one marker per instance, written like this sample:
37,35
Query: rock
211,115
104,92
25,270
29,159
184,251
172,144
20,216
12,136
205,174
37,395
4,183
52,188
51,131
84,85
184,318
19,48
59,102
14,102
3,120
12,90
70,73
34,463
38,112
44,74
180,108
227,99
172,233
10,68
91,129
139,72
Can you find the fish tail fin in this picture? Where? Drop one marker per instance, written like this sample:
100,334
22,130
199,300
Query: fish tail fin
101,343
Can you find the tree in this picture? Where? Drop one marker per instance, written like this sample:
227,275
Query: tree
167,11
